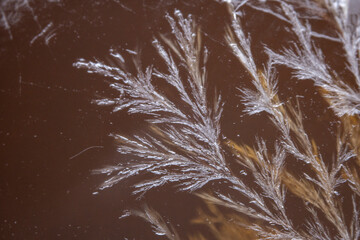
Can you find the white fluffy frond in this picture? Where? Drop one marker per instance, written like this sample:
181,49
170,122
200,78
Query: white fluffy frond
159,226
182,146
308,8
308,62
190,170
186,149
316,228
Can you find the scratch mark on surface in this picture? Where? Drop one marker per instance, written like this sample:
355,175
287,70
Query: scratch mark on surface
125,7
49,37
36,20
131,51
42,34
86,149
20,82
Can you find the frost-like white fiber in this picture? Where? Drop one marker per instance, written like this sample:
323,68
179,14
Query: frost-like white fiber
184,146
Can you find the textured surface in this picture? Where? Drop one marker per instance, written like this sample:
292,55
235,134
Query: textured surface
179,119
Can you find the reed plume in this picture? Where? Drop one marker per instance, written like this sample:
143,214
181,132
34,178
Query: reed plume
184,146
